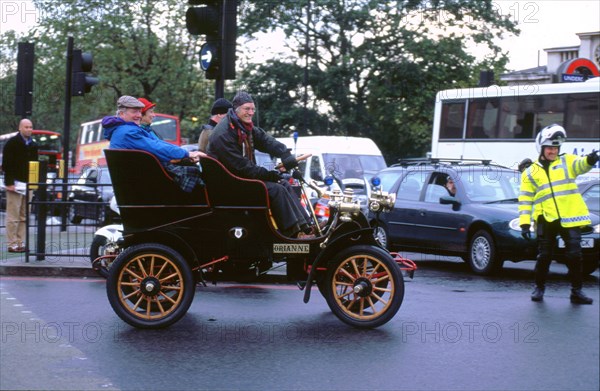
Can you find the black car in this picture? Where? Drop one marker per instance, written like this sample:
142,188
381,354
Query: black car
590,190
479,223
90,197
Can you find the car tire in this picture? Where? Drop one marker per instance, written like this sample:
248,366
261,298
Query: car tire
482,257
377,274
381,236
150,286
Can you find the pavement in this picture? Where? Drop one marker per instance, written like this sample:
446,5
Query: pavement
19,264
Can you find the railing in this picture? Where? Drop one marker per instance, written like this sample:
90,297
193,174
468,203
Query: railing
59,227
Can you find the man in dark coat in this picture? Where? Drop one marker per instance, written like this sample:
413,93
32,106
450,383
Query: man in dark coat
233,141
18,152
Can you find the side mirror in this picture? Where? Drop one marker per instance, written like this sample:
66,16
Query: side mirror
449,200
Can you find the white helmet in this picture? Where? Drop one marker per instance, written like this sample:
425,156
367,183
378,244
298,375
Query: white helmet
552,136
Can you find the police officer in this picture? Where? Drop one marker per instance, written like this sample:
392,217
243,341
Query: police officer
550,197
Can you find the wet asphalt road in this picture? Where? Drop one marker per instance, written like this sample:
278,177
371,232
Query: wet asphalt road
455,331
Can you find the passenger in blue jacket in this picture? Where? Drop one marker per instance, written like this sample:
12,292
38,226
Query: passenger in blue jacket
124,132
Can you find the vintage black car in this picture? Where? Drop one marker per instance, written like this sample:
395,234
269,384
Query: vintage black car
173,240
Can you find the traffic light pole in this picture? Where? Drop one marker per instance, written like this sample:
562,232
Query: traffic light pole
219,88
67,133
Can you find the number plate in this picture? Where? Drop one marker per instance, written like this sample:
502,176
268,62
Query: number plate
585,243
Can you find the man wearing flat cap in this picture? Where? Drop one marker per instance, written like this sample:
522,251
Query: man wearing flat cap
217,112
124,132
233,141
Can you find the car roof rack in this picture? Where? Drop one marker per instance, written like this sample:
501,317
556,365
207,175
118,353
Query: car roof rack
436,161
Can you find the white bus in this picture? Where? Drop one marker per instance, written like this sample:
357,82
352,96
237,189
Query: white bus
499,123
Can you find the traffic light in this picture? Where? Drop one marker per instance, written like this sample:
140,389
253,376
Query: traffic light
81,82
217,19
24,90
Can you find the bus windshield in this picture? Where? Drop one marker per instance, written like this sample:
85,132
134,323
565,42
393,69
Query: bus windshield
48,141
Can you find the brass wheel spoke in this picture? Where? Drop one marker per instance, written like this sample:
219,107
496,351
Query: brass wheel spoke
365,267
354,266
151,266
347,274
135,275
381,289
142,268
137,304
173,275
126,297
380,299
375,268
371,305
344,294
350,303
171,287
381,279
160,307
164,265
168,298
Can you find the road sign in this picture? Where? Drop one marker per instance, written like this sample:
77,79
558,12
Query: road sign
207,53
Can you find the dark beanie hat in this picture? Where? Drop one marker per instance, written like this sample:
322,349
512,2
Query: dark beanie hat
241,98
221,106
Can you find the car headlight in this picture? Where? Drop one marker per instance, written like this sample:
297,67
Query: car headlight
597,229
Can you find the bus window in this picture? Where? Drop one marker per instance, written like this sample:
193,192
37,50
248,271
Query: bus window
582,119
550,110
482,118
453,118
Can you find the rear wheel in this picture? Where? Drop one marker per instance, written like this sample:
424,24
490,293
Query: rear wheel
365,287
482,254
150,286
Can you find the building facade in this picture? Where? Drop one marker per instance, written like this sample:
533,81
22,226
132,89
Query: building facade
565,64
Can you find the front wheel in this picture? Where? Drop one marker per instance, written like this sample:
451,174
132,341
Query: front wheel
150,286
365,286
482,254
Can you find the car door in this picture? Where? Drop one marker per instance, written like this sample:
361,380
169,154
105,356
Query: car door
404,217
441,227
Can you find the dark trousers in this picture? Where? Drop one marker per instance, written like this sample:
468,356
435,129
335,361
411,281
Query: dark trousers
286,208
546,233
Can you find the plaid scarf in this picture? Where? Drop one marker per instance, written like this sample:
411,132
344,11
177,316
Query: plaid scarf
244,133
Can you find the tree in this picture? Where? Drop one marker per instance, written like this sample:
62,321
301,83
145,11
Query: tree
139,49
375,66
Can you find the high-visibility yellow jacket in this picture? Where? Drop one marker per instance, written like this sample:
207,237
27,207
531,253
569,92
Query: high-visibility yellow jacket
554,194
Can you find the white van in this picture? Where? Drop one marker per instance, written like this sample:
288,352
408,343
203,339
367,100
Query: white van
352,160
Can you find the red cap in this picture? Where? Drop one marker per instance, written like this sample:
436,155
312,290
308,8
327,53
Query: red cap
147,105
